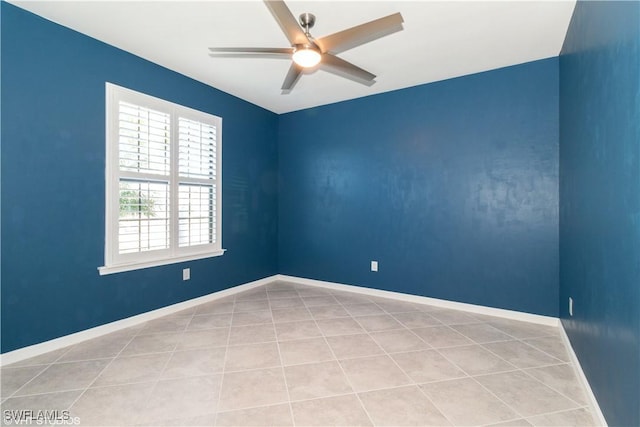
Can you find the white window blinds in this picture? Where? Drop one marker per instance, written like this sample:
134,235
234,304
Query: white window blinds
163,181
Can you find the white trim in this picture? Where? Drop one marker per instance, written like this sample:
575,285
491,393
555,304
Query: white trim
146,264
75,338
593,402
67,340
472,308
114,261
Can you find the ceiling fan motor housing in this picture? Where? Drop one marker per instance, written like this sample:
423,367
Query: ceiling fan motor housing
307,21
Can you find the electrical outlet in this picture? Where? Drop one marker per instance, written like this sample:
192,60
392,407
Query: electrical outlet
570,306
186,273
374,265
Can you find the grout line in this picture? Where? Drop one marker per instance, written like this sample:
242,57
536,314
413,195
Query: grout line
411,380
224,362
100,374
335,295
346,377
284,376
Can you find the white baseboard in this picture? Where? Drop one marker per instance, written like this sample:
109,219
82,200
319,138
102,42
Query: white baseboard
593,402
472,308
67,340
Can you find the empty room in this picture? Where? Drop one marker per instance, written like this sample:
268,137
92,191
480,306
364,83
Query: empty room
327,213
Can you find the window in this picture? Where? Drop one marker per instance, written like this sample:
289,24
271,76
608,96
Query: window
163,182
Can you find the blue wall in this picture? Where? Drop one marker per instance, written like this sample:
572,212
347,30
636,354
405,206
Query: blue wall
451,186
600,201
53,143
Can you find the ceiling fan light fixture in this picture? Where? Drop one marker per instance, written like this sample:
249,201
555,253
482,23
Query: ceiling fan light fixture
306,56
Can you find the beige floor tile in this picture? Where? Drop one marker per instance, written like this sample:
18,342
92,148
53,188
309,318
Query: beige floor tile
320,301
405,406
133,369
290,314
282,294
524,394
397,341
215,307
523,330
286,303
204,338
64,376
391,306
551,345
363,345
12,379
241,390
475,360
105,346
427,366
363,309
209,321
196,362
482,333
297,330
577,417
112,406
49,401
252,318
380,322
441,336
328,312
465,402
154,343
375,372
316,380
251,305
184,397
561,378
252,334
312,291
416,319
199,421
330,411
166,324
343,326
453,317
347,298
350,346
512,423
305,351
252,356
520,354
252,294
276,415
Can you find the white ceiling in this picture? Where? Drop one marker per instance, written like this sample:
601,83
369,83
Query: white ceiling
441,40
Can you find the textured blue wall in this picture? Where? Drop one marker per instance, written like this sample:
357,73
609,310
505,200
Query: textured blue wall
451,186
53,144
600,201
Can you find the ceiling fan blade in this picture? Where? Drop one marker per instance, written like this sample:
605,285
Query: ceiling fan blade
287,22
294,73
361,34
253,50
346,69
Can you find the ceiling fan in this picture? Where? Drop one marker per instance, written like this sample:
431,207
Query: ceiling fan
308,52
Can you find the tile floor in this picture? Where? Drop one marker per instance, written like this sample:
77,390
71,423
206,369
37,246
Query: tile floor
287,354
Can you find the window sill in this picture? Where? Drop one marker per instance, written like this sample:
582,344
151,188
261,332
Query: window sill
111,269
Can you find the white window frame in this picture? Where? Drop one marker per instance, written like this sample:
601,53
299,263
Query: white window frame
116,262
